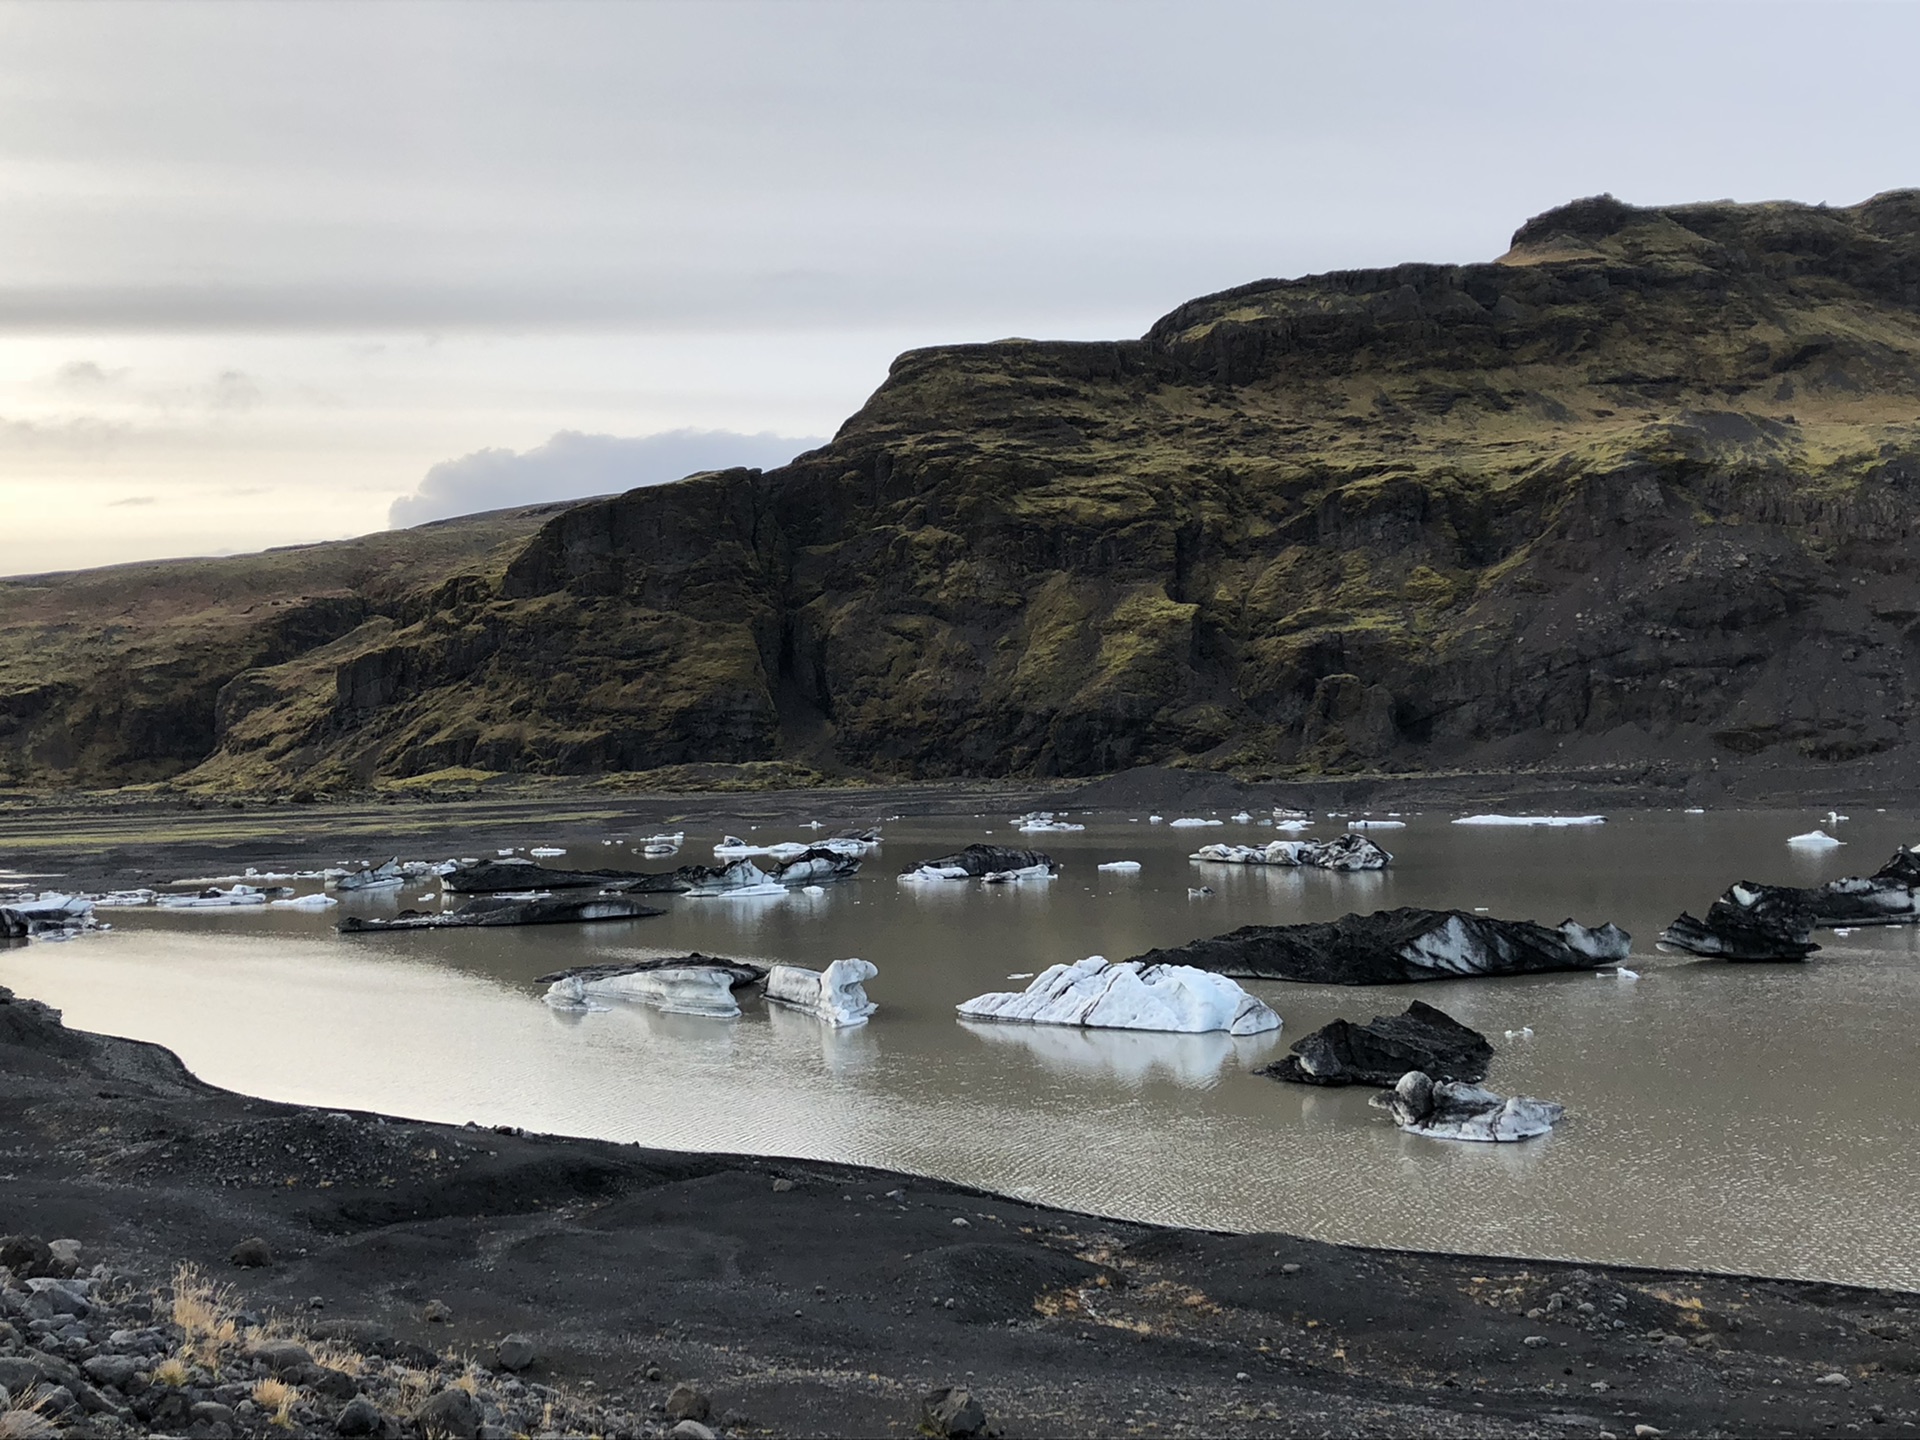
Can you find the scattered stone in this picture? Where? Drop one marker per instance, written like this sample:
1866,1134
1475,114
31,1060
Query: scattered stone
282,1356
782,1185
1647,1432
27,1256
436,1313
66,1255
686,1402
654,1375
1835,1379
55,1401
361,1417
1535,1342
1290,1268
251,1253
334,1384
113,1370
961,1221
451,1412
516,1352
210,1412
690,1430
952,1413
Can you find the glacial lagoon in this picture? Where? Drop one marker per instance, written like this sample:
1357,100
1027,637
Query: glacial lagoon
1743,1118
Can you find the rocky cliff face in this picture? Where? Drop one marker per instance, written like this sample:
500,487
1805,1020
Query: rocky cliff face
1643,486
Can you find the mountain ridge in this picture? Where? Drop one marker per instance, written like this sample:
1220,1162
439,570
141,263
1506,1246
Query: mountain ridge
1642,485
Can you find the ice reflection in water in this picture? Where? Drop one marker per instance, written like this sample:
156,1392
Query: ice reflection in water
1740,1117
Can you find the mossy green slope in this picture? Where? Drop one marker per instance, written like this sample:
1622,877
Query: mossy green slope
1645,484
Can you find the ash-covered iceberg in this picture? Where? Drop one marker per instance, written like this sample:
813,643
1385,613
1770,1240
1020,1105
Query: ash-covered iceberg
490,911
53,915
836,995
1346,852
1393,946
1385,1048
684,984
976,862
371,878
1450,1110
1127,995
1776,922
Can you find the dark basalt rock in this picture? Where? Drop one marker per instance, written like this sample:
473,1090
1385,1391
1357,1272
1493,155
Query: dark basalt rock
979,860
1393,946
491,910
1385,1048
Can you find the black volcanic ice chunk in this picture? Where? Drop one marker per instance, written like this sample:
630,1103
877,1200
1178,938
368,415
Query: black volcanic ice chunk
1385,1048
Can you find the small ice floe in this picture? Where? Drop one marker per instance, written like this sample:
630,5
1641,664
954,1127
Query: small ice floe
836,995
506,850
1834,817
545,852
1120,867
1618,972
1552,822
1694,810
813,889
1015,877
1243,818
1098,993
1480,909
389,876
1199,892
1843,930
1453,1110
316,901
685,985
978,861
1038,820
1525,1032
1153,819
124,899
423,899
1190,822
1814,840
214,898
1293,827
1021,975
1376,825
1287,812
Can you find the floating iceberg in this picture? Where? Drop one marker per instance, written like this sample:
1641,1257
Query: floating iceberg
1044,820
1385,1048
1187,822
1127,995
1553,822
486,911
687,985
1392,946
976,862
1814,840
315,901
1015,877
836,995
1243,818
545,852
1776,922
1451,1110
124,899
375,877
50,916
1120,867
1347,852
1376,825
214,898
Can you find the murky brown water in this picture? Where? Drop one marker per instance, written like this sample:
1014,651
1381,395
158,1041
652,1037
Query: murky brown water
1750,1118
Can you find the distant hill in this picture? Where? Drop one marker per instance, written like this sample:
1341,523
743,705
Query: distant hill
1645,486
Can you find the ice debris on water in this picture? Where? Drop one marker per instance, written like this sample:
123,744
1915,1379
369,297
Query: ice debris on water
1453,1110
52,915
1376,825
214,898
1525,1032
1618,972
1119,867
1814,840
1189,822
1243,818
315,901
1347,852
545,852
1551,822
1128,995
1039,820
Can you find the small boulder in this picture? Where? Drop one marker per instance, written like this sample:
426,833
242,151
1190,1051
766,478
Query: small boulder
686,1402
690,1430
1836,1380
436,1313
210,1412
282,1356
113,1370
251,1253
450,1412
516,1352
334,1384
952,1413
66,1256
27,1256
361,1417
782,1185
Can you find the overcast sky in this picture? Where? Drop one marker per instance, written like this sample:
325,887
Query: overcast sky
265,265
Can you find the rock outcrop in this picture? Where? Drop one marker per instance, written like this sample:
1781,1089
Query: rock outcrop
1392,946
1645,485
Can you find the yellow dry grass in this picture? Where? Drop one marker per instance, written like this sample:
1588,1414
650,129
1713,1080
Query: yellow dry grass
205,1314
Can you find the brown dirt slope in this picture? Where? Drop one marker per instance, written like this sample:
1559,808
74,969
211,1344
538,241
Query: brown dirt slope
1641,488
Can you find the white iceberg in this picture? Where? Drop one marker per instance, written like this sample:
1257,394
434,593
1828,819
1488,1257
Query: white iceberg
315,901
1815,840
1128,995
682,989
1454,1110
1552,822
1243,818
124,899
836,995
1014,877
545,852
1153,819
1120,867
1376,825
214,898
1188,822
1038,820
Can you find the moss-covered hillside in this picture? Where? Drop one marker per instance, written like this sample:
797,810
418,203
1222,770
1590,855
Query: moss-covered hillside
1644,484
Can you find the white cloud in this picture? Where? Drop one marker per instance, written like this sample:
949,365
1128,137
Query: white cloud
571,466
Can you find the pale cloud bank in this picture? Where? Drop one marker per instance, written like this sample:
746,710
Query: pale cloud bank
572,466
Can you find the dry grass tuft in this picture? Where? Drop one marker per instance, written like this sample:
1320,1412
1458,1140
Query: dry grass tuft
277,1398
26,1418
171,1372
205,1312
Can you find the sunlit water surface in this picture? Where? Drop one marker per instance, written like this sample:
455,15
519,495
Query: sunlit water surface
1747,1118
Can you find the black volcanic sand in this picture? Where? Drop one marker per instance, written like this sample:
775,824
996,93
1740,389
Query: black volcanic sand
812,1299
